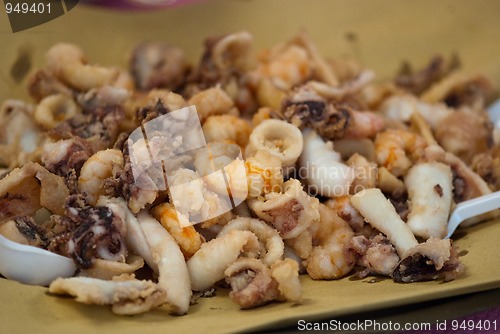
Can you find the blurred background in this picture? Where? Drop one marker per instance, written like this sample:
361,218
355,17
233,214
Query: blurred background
379,33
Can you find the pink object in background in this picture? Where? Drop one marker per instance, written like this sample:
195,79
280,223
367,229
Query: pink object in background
139,4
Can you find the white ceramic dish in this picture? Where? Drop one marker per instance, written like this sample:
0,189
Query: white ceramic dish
32,265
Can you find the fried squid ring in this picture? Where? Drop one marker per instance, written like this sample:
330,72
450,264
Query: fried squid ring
233,50
268,236
279,138
206,267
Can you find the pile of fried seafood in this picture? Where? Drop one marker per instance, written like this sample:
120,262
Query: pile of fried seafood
345,174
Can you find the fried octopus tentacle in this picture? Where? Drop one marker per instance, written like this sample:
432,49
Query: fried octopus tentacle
376,255
97,233
136,239
290,212
66,155
251,283
430,260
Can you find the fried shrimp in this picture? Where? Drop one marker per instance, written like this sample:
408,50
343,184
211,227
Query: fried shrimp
187,237
263,173
67,62
19,134
311,106
213,101
332,258
55,109
218,157
96,169
286,66
227,128
203,203
396,150
344,209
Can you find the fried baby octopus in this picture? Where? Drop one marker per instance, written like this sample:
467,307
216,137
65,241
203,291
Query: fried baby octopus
342,173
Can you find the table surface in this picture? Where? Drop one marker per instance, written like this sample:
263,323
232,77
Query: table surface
476,306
